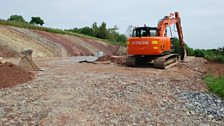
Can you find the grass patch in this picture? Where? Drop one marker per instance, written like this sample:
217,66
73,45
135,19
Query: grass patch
211,55
53,30
215,84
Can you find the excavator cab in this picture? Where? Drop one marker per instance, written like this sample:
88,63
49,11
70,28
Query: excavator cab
144,32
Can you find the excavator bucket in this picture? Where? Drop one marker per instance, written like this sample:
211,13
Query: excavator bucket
27,62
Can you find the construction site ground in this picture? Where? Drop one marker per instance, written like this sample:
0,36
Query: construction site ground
72,93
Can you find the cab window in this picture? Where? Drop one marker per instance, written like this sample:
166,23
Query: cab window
140,32
144,32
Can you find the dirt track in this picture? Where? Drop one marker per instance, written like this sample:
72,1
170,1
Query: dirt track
69,93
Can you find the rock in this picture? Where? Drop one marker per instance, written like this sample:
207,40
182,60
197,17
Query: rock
188,113
4,119
203,104
1,60
192,112
179,121
210,116
202,124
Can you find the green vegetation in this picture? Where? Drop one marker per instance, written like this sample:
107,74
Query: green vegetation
102,32
215,84
30,26
37,21
176,47
209,54
17,18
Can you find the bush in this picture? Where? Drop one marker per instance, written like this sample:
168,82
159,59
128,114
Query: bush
215,84
102,32
86,31
199,53
16,18
219,59
177,50
37,20
175,45
190,51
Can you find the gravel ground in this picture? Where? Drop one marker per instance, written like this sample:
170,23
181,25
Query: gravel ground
69,93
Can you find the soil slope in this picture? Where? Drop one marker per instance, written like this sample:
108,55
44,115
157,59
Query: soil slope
14,40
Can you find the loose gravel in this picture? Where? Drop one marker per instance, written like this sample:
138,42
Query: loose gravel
204,104
69,93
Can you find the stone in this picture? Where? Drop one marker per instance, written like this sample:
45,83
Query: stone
210,116
203,124
2,60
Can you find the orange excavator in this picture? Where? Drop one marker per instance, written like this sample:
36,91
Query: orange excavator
152,45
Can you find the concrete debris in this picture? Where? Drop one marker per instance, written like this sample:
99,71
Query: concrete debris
113,59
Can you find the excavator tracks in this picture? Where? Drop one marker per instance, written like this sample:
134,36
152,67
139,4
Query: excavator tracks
131,61
166,61
161,62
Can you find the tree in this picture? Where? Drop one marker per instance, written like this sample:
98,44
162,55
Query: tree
113,30
37,20
122,38
16,18
129,30
95,29
86,31
102,31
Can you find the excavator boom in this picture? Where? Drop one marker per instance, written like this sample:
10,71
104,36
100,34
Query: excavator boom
173,18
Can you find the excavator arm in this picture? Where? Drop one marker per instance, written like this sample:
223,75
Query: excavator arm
173,18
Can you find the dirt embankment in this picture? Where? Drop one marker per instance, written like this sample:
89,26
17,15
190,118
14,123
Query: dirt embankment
47,44
214,68
6,52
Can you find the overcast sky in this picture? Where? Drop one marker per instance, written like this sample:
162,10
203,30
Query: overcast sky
202,20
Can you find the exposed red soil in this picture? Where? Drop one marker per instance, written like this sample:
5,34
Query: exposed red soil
97,45
72,48
6,53
114,49
11,75
107,49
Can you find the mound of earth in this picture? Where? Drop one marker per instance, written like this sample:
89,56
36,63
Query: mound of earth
11,75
